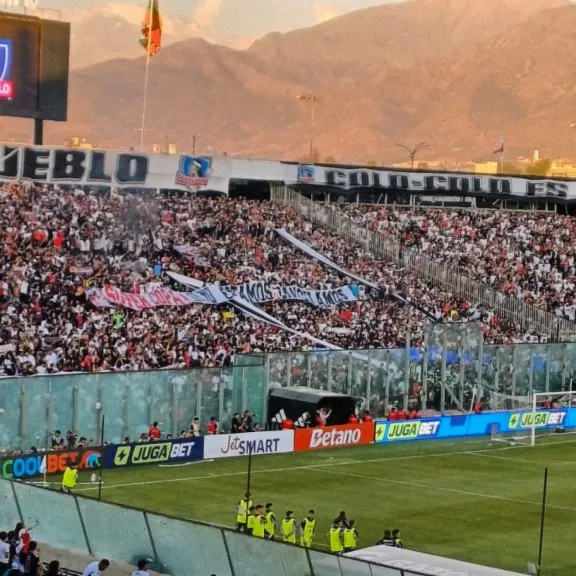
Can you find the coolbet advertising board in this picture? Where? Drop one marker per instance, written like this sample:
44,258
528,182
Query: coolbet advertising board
27,466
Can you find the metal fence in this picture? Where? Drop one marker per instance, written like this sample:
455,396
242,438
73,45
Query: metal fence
32,408
177,547
510,307
449,372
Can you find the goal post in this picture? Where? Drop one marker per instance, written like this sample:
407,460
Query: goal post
542,414
549,413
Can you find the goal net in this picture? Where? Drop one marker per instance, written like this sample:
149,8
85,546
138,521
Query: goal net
542,414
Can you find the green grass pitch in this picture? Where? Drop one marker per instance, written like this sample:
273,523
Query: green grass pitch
468,500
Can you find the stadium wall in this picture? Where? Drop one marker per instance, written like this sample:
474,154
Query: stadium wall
78,525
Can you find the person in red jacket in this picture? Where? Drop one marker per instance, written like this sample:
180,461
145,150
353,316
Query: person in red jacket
401,414
212,427
287,424
352,419
367,416
393,414
154,432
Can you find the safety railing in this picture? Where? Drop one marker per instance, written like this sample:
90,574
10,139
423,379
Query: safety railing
175,546
507,306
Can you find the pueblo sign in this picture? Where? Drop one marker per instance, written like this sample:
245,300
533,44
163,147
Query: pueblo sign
333,436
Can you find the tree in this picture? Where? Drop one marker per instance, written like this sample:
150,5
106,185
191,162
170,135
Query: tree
422,165
539,168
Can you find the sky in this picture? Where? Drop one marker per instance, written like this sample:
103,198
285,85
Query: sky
229,18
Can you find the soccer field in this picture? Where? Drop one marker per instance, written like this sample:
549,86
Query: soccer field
469,500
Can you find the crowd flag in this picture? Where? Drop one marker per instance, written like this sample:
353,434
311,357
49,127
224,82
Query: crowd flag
152,42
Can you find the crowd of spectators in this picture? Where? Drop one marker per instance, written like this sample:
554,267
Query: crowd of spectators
528,254
57,245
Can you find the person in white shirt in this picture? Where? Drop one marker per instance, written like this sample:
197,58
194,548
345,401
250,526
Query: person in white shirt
96,568
142,568
4,552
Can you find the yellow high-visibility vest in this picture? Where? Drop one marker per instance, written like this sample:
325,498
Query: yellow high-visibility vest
243,507
335,541
289,530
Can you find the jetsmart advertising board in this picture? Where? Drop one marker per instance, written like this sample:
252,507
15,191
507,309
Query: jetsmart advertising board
258,443
466,425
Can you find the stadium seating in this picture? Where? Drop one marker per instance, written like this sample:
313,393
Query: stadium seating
58,244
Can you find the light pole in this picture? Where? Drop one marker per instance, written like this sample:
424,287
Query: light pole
412,151
312,100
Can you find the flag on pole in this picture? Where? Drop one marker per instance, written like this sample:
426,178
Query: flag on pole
501,149
152,29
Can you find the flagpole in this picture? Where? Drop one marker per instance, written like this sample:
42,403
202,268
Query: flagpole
143,125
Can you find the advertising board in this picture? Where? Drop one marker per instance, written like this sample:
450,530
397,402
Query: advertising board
26,466
461,426
228,445
161,452
308,439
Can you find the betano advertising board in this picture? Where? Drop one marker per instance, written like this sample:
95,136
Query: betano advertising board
307,439
466,425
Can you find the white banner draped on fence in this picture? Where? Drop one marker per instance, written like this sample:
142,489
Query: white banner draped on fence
317,256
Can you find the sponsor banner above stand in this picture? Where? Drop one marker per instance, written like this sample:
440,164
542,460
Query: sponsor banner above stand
26,466
429,182
306,439
160,452
257,443
112,168
466,425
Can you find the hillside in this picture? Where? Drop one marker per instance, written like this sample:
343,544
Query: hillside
427,80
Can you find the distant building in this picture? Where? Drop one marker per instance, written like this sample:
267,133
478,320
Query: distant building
77,142
561,169
486,167
30,8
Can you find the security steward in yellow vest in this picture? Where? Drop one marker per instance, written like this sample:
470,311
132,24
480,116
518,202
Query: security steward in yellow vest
250,522
350,537
270,526
70,478
242,512
259,522
307,527
289,528
335,537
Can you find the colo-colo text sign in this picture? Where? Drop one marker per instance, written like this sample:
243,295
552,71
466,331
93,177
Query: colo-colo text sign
181,450
257,443
73,166
473,425
432,182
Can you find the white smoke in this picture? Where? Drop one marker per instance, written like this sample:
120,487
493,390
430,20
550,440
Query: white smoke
206,14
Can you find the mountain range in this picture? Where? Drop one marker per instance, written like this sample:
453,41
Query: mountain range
457,74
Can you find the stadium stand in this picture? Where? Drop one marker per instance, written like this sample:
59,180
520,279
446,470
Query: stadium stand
58,243
527,254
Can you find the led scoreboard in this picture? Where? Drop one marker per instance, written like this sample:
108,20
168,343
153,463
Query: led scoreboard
34,63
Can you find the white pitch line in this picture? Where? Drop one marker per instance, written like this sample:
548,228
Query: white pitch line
327,464
441,489
521,460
